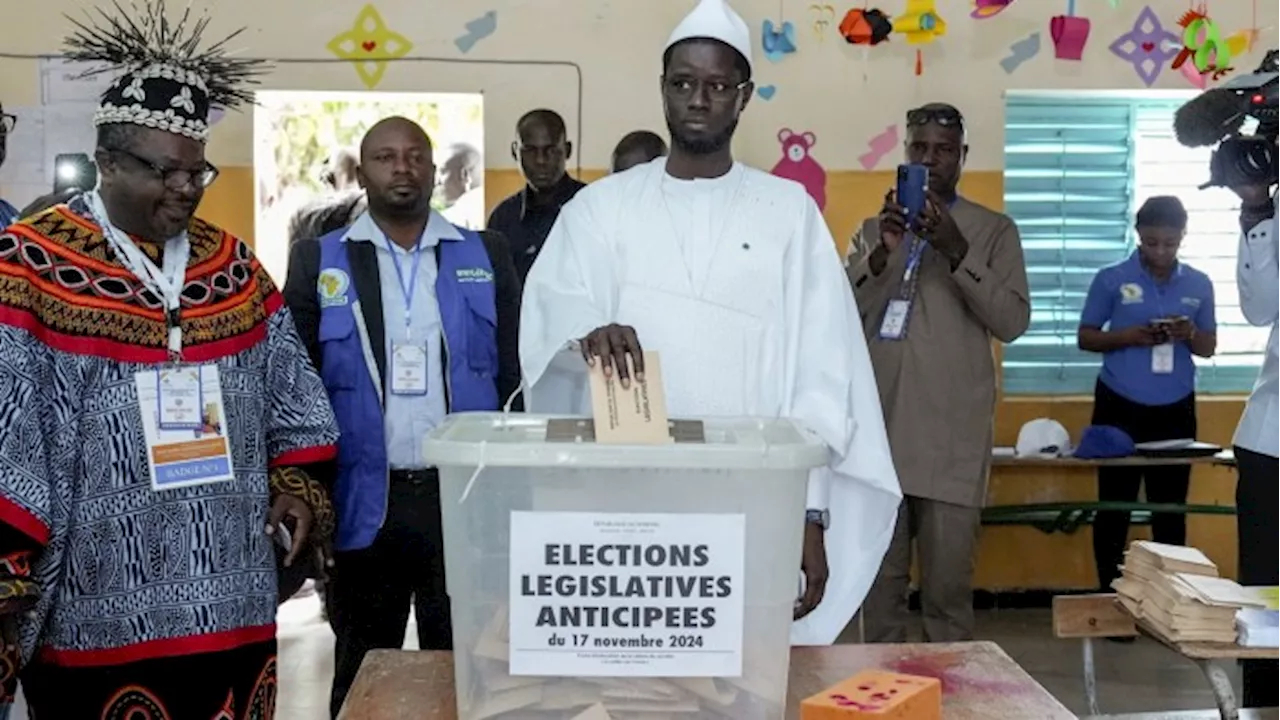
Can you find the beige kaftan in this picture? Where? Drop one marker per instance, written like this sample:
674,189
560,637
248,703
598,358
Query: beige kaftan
938,385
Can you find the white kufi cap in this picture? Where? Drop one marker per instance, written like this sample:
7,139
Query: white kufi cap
714,19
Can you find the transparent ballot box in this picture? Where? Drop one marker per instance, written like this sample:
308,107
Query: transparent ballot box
622,581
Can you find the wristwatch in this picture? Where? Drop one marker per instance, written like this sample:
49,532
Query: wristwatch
821,518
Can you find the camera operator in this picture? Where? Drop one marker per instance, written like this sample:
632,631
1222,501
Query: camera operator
1249,164
1257,437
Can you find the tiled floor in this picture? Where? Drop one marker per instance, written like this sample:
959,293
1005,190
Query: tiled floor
1140,677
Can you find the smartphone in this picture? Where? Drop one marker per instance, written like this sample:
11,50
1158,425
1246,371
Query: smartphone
1162,326
913,185
1168,322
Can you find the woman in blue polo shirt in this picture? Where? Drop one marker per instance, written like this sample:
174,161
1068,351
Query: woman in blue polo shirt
1147,315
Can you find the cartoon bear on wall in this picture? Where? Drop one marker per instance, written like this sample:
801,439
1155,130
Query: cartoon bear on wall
797,164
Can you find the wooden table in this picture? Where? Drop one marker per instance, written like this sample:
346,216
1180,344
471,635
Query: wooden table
979,681
1093,616
1208,657
1226,458
1191,715
1067,517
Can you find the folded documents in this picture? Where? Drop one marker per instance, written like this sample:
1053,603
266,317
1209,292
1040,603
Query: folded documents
1258,628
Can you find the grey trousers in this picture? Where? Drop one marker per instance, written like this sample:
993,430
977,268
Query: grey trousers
946,536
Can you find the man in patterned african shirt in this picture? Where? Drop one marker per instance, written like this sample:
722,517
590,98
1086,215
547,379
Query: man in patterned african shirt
139,571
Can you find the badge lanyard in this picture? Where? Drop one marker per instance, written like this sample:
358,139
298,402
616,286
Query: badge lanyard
167,284
896,314
898,311
408,359
911,275
1162,355
406,288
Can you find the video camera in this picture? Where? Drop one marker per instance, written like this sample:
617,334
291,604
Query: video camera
1216,116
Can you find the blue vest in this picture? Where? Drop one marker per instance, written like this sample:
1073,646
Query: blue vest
465,293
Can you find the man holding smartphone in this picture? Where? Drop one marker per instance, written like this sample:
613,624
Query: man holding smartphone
942,278
1257,438
1147,315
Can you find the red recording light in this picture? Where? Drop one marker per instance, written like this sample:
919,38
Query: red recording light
1258,99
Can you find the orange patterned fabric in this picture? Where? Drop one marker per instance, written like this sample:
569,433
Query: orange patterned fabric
60,279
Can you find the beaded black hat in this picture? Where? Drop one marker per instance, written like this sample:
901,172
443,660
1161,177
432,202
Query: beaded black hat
168,82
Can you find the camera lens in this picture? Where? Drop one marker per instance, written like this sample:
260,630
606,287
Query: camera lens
1257,161
1244,161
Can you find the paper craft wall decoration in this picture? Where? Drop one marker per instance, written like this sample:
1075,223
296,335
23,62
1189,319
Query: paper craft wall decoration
1020,52
477,30
1146,46
766,92
824,16
922,25
866,27
1204,47
1193,76
797,164
369,44
879,146
921,22
1242,42
983,9
778,41
1070,33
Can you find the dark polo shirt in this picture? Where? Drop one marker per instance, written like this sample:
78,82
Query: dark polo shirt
526,225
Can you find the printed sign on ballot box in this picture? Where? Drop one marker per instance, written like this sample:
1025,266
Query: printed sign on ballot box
622,594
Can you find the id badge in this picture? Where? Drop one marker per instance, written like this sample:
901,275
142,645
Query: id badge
189,456
408,369
894,325
178,398
1162,359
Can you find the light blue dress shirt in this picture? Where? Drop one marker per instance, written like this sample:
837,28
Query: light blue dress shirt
408,418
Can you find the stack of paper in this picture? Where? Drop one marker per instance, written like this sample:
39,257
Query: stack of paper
1176,591
1169,559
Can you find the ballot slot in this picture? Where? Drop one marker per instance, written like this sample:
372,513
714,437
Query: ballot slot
571,430
736,493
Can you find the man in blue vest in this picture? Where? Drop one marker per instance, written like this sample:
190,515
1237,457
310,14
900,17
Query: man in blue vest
407,318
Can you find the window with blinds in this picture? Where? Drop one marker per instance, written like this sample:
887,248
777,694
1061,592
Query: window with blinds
1076,171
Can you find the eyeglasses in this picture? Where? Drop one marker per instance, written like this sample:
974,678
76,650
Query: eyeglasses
718,90
7,123
173,178
946,117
